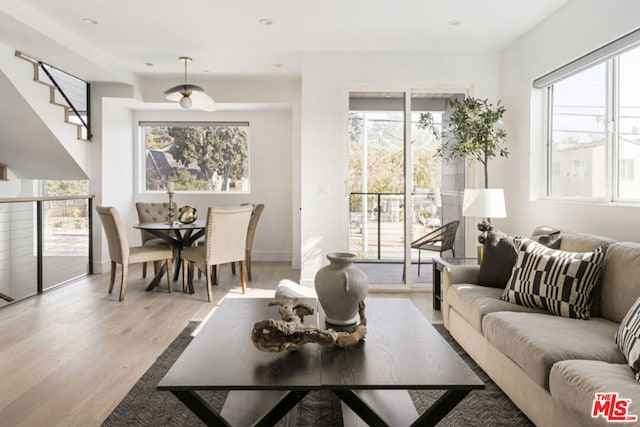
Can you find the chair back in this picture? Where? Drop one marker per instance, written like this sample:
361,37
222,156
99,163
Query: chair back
449,235
253,224
116,235
226,234
152,212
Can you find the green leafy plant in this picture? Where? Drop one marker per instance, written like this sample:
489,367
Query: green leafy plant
472,132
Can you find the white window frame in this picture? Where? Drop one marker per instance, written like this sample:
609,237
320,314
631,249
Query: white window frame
608,54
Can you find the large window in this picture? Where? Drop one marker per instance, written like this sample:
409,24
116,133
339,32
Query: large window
594,131
212,157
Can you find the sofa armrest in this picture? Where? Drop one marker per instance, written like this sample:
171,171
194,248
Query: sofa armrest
454,274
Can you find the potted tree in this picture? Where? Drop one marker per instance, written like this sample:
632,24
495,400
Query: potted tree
472,132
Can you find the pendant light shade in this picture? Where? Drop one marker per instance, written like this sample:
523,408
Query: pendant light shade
189,95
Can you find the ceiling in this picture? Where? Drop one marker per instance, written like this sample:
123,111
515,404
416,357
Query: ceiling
227,38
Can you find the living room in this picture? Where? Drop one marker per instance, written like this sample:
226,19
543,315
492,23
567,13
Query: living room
299,119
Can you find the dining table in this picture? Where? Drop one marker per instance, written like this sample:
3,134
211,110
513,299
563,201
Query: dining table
179,235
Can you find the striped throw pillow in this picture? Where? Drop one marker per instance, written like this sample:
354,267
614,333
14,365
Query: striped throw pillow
557,281
628,337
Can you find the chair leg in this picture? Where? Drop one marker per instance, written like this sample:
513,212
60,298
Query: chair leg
419,260
113,275
123,281
185,275
170,273
241,268
247,266
216,277
144,270
233,268
208,274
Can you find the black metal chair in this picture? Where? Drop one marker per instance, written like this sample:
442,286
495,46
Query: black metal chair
440,240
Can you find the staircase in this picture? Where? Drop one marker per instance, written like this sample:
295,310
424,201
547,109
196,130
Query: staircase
65,91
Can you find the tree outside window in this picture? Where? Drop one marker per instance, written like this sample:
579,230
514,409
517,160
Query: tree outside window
210,157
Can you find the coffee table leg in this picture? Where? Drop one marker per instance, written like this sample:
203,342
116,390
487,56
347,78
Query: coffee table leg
441,407
284,405
357,405
202,409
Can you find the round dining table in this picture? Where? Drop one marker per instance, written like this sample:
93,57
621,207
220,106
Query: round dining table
180,236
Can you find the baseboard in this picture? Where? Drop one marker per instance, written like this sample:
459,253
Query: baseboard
271,256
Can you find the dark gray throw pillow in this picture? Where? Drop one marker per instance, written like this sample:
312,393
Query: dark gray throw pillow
498,260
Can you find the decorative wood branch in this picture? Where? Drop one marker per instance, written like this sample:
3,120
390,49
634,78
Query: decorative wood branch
291,334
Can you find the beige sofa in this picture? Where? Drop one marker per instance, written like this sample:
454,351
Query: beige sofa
550,366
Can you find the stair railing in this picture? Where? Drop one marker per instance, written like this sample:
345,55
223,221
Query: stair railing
67,85
84,123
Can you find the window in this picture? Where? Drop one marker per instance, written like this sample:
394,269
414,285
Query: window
626,170
594,128
201,156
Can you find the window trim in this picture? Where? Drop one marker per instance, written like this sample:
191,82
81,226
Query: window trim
608,51
609,55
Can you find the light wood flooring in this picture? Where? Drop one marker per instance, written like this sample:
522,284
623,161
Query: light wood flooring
69,356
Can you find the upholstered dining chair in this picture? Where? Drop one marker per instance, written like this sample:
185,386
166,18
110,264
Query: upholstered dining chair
225,241
253,224
121,253
152,212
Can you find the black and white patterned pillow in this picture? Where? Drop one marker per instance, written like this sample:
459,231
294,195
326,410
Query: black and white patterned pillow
628,338
553,280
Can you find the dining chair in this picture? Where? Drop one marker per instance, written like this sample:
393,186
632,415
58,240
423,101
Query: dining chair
152,212
121,253
224,242
253,224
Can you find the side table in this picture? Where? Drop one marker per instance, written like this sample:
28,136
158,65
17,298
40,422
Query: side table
439,265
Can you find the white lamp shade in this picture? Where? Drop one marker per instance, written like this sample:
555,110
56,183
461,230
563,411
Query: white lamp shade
484,203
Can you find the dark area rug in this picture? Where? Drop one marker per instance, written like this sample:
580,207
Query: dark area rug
145,406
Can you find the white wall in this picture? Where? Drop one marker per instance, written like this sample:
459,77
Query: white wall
270,168
576,29
239,93
112,169
326,81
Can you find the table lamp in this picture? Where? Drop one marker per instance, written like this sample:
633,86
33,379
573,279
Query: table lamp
485,203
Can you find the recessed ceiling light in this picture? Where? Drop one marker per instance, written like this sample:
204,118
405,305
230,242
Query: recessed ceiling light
265,21
454,22
148,64
90,21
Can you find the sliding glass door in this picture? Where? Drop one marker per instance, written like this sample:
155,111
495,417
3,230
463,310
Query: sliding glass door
397,183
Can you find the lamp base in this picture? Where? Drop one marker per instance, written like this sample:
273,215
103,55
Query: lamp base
480,253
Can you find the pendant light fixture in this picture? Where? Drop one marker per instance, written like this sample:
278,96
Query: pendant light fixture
189,95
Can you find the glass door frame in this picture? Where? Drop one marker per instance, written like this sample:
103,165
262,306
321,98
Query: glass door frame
408,91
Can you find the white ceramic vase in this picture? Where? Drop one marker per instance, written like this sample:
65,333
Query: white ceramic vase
340,287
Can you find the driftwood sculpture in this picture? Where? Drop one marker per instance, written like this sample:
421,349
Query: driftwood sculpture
291,334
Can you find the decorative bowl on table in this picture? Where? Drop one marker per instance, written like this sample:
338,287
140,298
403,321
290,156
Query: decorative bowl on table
187,214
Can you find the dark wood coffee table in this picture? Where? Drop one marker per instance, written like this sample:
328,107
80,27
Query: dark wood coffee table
402,351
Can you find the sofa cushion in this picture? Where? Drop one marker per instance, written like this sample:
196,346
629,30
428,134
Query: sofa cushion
558,281
473,302
620,280
628,338
536,341
574,383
